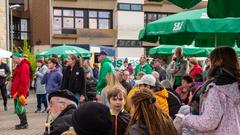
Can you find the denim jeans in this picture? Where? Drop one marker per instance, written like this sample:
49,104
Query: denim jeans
77,95
42,99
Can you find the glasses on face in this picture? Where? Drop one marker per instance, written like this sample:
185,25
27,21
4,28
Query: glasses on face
54,103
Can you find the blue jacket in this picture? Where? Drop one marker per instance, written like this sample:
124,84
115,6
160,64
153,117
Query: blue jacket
52,80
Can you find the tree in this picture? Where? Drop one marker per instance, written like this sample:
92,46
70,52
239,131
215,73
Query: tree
26,51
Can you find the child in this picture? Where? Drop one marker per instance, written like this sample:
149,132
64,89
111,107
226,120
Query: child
117,99
183,90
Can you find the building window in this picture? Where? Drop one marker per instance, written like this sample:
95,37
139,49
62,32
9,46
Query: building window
80,18
129,43
150,16
20,29
130,7
136,7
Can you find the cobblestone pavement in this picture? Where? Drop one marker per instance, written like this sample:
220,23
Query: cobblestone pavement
8,119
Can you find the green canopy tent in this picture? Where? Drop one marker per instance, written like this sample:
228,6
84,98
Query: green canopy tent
167,50
64,50
185,27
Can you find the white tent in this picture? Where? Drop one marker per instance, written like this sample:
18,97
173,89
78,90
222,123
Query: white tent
5,54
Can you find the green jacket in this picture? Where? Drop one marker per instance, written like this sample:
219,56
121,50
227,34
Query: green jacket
146,68
106,67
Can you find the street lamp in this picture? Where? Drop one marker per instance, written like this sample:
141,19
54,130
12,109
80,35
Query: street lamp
12,7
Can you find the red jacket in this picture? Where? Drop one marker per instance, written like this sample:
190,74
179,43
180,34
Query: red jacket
21,78
197,69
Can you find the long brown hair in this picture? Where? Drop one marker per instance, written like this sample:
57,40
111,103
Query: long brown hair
146,110
225,57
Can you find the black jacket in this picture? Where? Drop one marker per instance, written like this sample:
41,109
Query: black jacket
63,121
74,80
121,121
7,72
91,84
126,85
174,103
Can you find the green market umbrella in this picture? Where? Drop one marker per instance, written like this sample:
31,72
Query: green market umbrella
64,50
185,3
185,27
182,3
210,49
215,8
166,50
223,8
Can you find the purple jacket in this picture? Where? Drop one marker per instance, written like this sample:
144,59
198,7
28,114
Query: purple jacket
219,111
52,80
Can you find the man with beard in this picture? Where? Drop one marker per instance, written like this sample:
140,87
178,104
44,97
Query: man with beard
62,104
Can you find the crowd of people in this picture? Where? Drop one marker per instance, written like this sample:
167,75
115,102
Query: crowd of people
182,97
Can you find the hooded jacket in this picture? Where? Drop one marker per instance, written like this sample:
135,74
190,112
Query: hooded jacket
129,96
146,68
162,97
21,78
106,67
52,80
219,108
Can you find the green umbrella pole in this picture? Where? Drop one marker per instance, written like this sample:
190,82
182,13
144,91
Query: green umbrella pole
215,40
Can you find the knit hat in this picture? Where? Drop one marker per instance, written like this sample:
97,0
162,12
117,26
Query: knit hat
92,118
63,94
17,54
147,79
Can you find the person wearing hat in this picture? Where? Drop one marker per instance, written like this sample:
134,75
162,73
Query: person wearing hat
147,81
106,67
4,73
91,118
62,104
20,85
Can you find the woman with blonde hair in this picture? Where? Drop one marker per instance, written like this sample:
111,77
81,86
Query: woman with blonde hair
147,118
112,80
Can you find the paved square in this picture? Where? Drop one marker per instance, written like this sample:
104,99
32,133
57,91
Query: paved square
8,119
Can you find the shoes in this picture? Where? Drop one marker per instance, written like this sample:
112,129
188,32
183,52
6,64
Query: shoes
21,126
37,111
43,111
5,108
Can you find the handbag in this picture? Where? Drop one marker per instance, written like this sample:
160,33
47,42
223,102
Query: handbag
19,109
